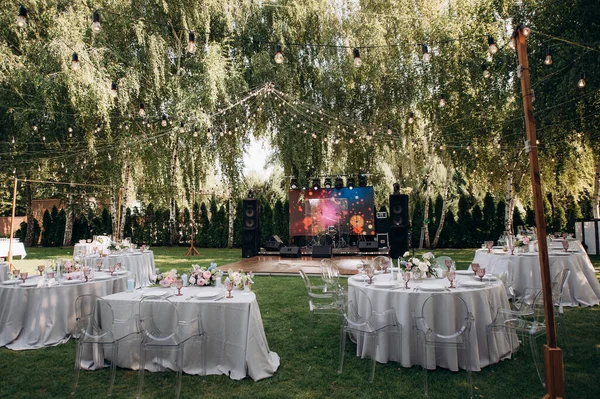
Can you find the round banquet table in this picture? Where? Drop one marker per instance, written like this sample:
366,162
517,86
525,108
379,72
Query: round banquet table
32,317
4,269
582,286
480,301
136,262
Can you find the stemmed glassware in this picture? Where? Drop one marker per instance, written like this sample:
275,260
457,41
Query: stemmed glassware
179,285
41,269
23,276
511,246
565,245
406,278
451,275
370,273
99,265
229,287
481,273
449,264
86,273
111,269
475,267
16,273
489,245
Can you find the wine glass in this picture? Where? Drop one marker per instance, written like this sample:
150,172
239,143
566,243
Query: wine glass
370,273
86,273
99,265
449,263
511,246
16,273
489,245
361,269
406,278
229,287
565,245
451,275
41,269
475,267
23,276
111,269
481,273
179,285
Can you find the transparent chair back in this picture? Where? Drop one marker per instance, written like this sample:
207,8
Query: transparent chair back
158,318
381,262
440,262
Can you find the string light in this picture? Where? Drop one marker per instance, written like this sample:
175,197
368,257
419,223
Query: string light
191,48
357,60
195,132
278,55
426,55
75,62
411,118
163,123
96,22
493,48
548,60
114,89
526,30
389,130
581,83
142,111
486,71
13,140
181,128
34,127
442,101
22,17
512,43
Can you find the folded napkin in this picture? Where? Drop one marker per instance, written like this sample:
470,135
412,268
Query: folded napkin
41,282
52,282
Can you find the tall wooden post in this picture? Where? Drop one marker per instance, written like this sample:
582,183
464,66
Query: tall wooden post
119,214
553,359
11,265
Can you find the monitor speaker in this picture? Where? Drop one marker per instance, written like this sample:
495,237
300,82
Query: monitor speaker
250,228
322,251
290,252
274,243
368,246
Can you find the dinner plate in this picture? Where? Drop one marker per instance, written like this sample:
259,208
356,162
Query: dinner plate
29,284
101,277
208,292
432,288
155,293
71,281
486,278
14,281
529,254
384,284
464,272
560,254
472,284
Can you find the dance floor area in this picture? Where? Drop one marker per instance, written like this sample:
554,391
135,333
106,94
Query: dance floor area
267,265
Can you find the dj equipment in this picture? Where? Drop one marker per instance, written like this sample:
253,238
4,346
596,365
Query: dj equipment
368,246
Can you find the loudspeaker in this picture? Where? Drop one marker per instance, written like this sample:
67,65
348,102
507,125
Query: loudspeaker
274,243
399,210
382,225
398,241
290,252
368,246
322,251
250,228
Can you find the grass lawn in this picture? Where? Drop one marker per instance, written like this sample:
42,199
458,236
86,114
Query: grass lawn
305,371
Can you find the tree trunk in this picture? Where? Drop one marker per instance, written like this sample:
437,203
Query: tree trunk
126,173
426,211
436,240
173,233
29,213
69,220
113,213
510,201
231,218
595,200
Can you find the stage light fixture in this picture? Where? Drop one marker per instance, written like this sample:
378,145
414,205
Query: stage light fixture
396,188
316,184
350,183
328,182
362,181
339,183
294,184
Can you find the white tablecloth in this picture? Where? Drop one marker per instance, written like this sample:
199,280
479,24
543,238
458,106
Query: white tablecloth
478,301
4,269
582,287
32,318
237,345
87,248
139,263
18,249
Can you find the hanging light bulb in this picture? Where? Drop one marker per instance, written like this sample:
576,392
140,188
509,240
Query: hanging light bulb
351,140
512,43
142,110
109,157
181,128
411,118
532,95
96,22
581,83
486,71
426,55
357,60
163,123
493,48
191,48
75,62
389,130
442,101
195,132
114,89
34,127
526,31
548,60
278,55
22,17
13,140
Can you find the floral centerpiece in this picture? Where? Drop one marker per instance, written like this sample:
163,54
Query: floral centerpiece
522,240
167,278
203,276
240,278
416,265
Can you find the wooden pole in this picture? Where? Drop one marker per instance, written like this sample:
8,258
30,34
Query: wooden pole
11,265
553,360
119,214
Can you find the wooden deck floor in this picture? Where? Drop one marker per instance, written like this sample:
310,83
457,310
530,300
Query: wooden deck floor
278,265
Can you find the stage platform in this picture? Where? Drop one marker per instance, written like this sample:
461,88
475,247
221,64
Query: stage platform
348,251
275,265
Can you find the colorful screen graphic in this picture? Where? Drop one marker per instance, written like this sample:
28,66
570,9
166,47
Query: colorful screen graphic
331,211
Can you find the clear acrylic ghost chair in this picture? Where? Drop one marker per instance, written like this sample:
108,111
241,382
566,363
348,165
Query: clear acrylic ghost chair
162,330
503,269
432,333
330,275
320,302
558,289
381,262
531,326
366,326
440,262
94,328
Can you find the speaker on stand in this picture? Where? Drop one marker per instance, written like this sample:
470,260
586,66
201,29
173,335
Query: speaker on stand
399,225
250,228
273,244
